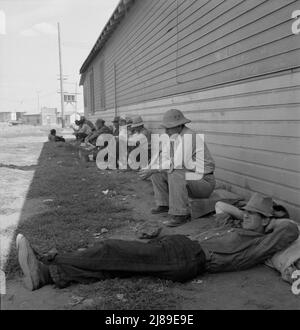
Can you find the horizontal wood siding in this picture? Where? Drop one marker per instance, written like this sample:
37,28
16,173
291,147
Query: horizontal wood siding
233,68
165,47
252,130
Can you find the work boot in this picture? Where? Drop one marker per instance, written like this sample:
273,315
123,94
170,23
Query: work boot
36,273
160,209
178,220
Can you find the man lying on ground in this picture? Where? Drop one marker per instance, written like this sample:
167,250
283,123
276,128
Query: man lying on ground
174,257
286,261
52,137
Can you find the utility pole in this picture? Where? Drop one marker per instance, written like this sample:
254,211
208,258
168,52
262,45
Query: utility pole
38,101
75,100
61,79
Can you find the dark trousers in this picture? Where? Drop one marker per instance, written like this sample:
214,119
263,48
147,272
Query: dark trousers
81,136
59,139
175,258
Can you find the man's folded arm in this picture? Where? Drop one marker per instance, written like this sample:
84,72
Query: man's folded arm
284,234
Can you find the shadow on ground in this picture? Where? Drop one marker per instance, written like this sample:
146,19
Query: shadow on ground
66,208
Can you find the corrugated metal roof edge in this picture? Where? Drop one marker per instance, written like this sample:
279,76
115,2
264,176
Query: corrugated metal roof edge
109,28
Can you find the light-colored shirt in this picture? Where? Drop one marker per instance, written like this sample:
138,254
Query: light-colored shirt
188,151
85,129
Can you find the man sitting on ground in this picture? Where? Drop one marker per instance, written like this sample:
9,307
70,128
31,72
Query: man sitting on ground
137,130
52,137
88,122
83,131
76,128
175,257
116,126
172,187
101,128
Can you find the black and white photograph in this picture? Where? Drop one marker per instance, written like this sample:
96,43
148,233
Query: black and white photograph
149,157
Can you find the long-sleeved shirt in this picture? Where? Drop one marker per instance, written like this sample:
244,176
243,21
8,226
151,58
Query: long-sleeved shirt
230,249
94,135
144,132
187,151
85,129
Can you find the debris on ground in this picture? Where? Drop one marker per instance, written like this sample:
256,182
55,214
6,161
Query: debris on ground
109,193
121,297
48,201
104,231
75,300
148,230
88,303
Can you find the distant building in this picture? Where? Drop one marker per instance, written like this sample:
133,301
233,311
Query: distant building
32,119
49,116
8,116
70,117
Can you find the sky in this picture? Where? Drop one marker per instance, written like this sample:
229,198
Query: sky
29,66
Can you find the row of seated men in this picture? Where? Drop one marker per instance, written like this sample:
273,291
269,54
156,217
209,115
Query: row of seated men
123,128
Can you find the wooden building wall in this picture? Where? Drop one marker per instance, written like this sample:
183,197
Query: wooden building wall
232,66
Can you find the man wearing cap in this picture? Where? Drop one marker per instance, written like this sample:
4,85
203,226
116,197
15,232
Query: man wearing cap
173,187
138,130
137,127
101,128
84,130
87,122
116,126
176,257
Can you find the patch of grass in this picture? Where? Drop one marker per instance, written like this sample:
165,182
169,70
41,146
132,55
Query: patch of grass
77,206
130,294
77,209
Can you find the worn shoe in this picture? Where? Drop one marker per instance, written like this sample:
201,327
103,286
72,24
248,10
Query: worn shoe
160,209
178,220
36,274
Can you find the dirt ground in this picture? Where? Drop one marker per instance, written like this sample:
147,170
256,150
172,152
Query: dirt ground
258,288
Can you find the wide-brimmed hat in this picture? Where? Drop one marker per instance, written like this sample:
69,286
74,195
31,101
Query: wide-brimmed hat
260,204
174,118
137,122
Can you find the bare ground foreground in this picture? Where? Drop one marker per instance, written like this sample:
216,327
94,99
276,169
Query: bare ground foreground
58,201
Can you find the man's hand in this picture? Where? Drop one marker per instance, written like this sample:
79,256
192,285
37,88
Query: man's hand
146,173
274,223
